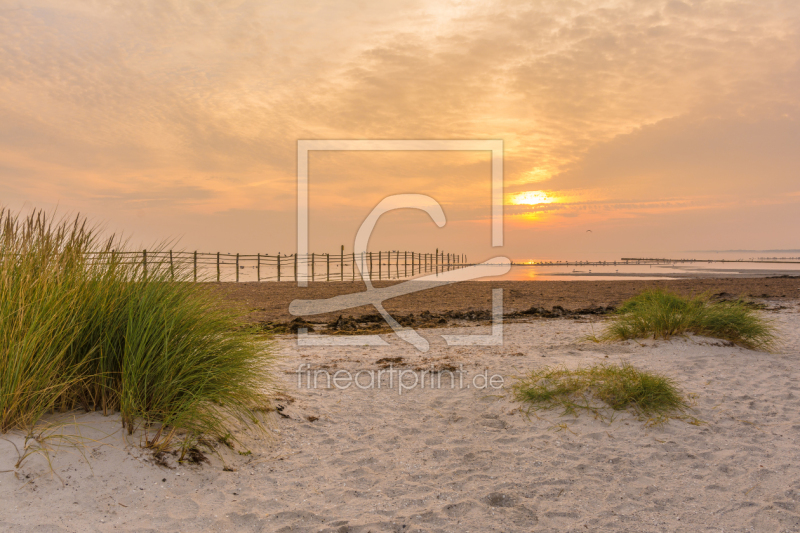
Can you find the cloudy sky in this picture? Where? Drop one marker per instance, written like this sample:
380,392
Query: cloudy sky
662,126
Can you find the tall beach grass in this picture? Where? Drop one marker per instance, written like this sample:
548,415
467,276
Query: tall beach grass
658,313
81,332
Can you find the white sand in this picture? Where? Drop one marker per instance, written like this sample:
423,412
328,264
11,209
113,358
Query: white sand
458,460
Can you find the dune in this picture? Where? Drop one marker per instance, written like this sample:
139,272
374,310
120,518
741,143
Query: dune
466,458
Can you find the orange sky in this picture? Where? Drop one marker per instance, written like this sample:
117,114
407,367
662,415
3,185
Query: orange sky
662,126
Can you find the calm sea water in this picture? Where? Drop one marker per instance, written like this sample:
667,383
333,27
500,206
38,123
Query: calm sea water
706,264
715,264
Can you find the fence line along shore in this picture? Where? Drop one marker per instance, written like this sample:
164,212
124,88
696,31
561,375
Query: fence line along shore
217,266
381,265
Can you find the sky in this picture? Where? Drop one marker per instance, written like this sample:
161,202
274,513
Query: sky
661,126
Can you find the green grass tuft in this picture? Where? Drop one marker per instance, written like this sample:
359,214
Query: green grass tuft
661,314
617,386
109,335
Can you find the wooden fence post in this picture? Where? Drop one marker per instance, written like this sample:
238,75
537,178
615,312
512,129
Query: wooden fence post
258,267
171,267
295,267
217,267
312,265
195,265
397,262
380,265
370,265
341,264
279,266
144,262
237,268
328,262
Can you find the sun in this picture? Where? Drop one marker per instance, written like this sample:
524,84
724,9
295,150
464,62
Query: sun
531,198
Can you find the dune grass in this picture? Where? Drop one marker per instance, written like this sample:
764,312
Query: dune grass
105,334
616,386
661,314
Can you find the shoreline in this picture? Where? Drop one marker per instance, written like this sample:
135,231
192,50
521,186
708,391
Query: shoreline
269,301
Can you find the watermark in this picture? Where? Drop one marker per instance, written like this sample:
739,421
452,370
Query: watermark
403,379
375,297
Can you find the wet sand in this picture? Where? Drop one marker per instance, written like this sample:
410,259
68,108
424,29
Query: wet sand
269,301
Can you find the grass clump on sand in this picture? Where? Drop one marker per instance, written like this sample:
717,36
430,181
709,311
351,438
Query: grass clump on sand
81,326
617,386
661,314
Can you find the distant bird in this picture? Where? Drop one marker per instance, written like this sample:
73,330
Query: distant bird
589,231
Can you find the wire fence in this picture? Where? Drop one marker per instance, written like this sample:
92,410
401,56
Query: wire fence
218,266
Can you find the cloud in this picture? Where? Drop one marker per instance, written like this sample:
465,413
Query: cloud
197,106
719,157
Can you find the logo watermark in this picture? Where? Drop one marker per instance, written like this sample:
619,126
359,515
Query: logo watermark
493,267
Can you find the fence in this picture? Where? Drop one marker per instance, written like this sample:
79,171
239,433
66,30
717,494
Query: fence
285,267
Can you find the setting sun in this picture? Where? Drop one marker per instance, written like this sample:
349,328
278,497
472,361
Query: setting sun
531,198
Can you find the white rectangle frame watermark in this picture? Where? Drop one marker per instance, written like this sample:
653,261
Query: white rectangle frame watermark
399,145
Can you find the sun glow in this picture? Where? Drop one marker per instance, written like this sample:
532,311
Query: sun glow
531,198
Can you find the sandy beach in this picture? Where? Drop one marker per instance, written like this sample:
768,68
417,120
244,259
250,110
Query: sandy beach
457,459
598,174
270,301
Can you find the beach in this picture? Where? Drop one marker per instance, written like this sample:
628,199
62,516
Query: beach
265,302
465,457
427,266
